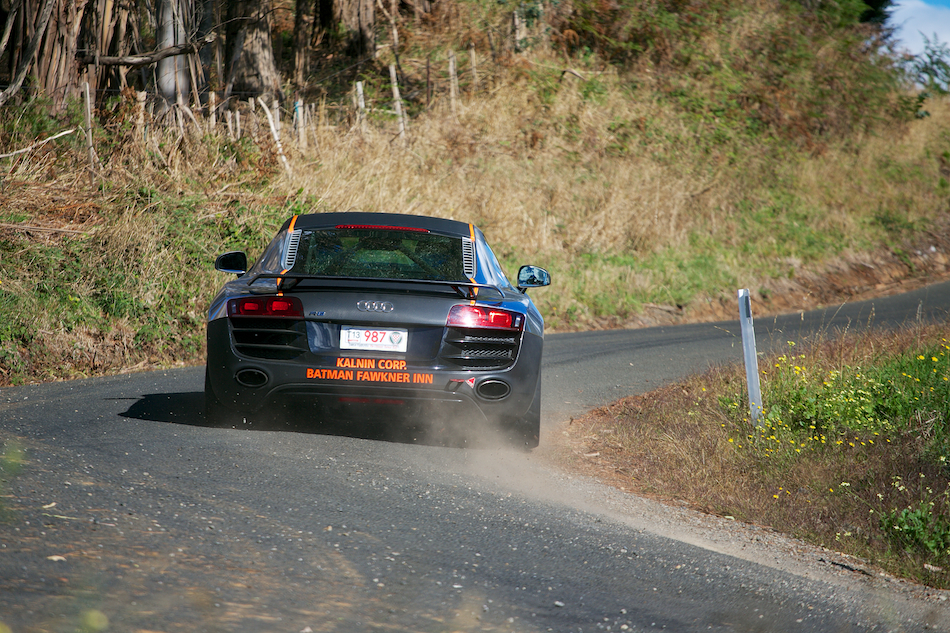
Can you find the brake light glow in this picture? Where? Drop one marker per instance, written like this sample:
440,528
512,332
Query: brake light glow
468,316
379,226
288,307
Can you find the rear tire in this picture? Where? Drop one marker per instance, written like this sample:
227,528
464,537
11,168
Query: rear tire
219,414
526,432
215,413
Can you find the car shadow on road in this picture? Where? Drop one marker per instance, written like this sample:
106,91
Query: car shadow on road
177,408
188,409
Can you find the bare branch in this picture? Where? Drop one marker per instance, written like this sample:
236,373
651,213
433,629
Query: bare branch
150,58
26,227
38,144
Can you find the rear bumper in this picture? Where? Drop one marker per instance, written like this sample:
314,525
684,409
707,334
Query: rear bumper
251,385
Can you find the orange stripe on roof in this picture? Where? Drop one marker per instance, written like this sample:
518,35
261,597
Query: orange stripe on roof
471,232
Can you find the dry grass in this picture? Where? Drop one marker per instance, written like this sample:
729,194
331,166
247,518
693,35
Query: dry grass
641,214
618,213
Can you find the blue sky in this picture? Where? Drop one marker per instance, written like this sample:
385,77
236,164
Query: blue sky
915,16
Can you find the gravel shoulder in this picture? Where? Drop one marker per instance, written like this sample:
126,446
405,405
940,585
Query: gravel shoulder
595,483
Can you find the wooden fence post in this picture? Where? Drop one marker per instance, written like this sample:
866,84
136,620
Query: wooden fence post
428,82
273,130
310,129
361,107
398,102
140,115
300,121
518,30
471,54
453,84
313,124
89,147
212,111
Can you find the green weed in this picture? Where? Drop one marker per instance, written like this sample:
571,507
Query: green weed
922,528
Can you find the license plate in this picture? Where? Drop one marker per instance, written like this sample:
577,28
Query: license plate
373,339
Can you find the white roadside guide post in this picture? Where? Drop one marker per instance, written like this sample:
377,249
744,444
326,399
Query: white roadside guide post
751,360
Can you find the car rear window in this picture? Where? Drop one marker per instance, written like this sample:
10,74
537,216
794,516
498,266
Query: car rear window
380,253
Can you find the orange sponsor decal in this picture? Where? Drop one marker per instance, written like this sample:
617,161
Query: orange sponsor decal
371,376
371,363
357,363
382,376
330,374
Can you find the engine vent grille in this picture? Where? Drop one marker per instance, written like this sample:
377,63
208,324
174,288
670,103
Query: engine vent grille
293,243
271,339
480,349
468,257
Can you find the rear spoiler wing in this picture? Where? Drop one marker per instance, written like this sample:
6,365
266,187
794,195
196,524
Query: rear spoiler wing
287,281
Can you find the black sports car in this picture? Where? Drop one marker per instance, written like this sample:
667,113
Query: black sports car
377,316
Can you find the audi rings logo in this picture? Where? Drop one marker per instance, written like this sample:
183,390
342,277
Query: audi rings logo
374,306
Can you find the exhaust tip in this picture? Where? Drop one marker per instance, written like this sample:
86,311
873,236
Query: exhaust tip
251,378
493,389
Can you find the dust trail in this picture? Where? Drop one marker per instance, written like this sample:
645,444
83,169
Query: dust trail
494,467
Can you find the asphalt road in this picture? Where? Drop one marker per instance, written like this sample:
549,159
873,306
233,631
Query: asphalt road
129,514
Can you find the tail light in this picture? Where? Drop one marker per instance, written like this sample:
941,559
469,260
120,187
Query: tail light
288,307
478,317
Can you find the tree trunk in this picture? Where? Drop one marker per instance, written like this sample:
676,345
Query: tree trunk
175,18
303,24
55,66
9,20
210,57
106,33
252,71
359,18
327,15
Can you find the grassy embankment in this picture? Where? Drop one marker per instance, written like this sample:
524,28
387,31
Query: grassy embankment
851,453
687,154
751,145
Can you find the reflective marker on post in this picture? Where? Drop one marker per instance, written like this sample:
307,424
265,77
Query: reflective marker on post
748,351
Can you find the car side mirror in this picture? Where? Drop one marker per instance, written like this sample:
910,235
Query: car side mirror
233,262
533,277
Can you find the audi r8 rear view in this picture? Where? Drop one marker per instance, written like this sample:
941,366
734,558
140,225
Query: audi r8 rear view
377,317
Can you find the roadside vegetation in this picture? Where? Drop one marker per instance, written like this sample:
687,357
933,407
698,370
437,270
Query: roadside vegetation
851,451
655,156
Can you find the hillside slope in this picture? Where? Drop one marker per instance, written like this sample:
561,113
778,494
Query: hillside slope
655,156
